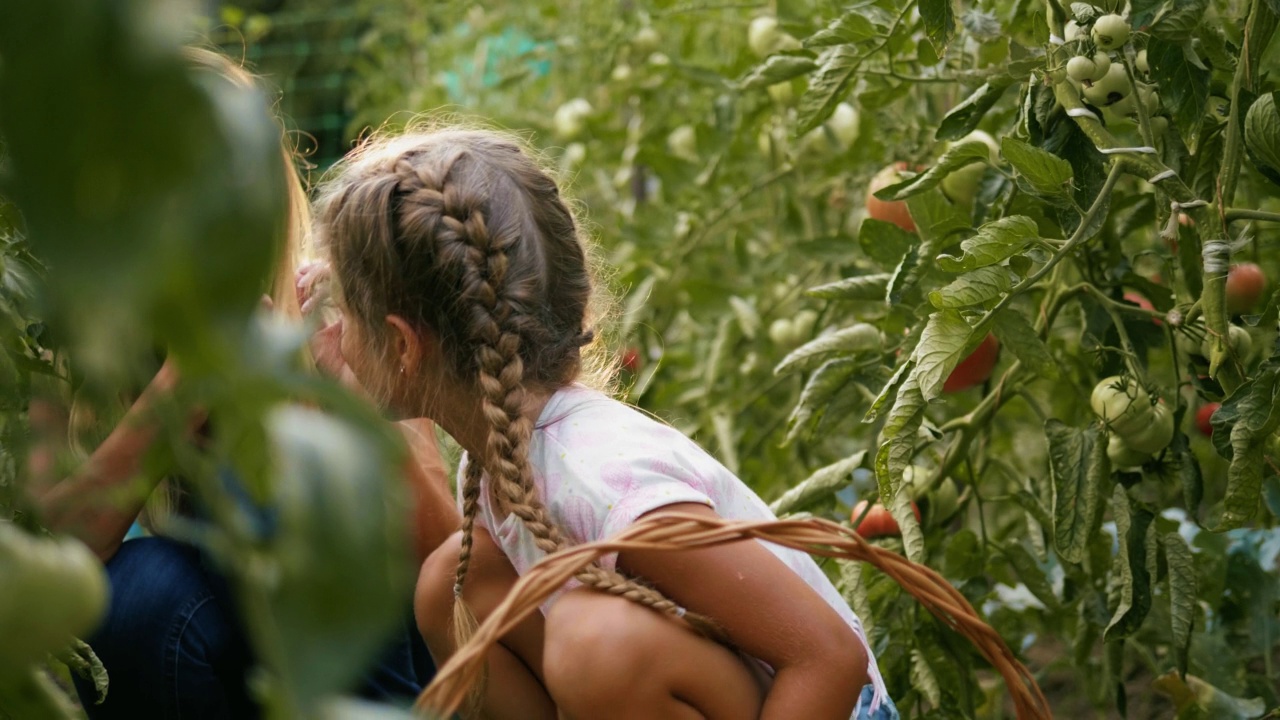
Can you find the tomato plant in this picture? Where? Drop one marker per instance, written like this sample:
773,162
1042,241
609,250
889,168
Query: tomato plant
811,236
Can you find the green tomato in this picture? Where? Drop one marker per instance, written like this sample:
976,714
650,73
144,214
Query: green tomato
962,185
1111,88
54,590
1238,340
765,38
1149,97
1088,69
683,143
1123,404
1123,456
646,39
1218,108
1110,32
1159,126
782,93
1156,435
571,118
803,324
844,124
1141,61
782,333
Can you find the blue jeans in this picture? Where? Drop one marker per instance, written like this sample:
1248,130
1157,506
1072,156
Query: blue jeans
174,649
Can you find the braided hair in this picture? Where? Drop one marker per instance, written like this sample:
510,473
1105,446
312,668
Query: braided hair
461,232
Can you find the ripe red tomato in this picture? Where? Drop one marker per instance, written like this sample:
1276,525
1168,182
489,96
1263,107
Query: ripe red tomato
1143,303
894,211
975,369
1244,287
1202,418
879,521
631,359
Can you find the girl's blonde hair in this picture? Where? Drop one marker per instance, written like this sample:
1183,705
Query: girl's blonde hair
462,233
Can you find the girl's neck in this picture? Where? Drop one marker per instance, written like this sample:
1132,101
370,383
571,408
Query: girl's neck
459,412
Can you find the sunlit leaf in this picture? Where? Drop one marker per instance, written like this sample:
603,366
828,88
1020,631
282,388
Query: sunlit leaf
861,337
870,288
819,486
1046,173
837,66
778,68
973,288
995,242
941,347
956,157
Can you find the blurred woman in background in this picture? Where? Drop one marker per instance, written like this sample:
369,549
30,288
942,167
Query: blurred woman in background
172,643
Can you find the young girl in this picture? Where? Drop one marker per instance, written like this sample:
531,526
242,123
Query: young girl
465,289
171,642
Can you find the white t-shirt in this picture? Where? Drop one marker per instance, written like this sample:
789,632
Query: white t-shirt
599,465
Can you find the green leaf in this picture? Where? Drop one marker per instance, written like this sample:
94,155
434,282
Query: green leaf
858,338
973,288
923,680
964,118
1031,574
936,218
1184,84
777,68
896,450
870,288
834,377
1016,334
1179,21
905,276
1181,586
748,317
822,484
837,67
962,555
995,242
897,380
1262,136
1130,579
851,27
939,17
885,242
1084,12
942,345
956,157
1044,172
854,591
1241,427
336,492
1078,486
1195,699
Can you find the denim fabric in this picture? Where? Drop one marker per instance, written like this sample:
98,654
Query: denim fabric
174,649
886,711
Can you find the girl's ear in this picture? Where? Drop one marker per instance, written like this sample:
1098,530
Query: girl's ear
410,346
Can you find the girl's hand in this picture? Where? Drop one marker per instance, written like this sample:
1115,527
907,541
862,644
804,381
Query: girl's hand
326,349
311,283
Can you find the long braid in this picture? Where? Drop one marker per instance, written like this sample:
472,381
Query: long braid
500,377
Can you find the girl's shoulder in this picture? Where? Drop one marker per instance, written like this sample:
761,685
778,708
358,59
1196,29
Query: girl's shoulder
583,421
578,411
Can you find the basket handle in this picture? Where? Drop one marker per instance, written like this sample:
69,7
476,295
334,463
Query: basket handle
680,531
